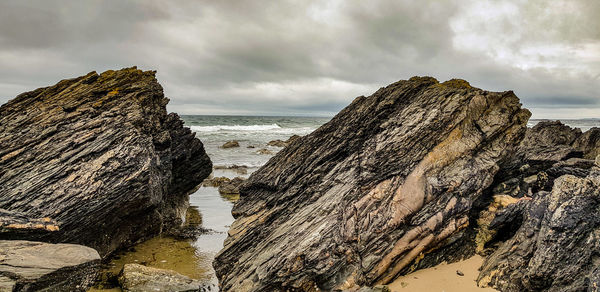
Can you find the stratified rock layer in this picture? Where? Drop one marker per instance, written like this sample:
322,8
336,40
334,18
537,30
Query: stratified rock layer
97,160
558,245
388,179
35,266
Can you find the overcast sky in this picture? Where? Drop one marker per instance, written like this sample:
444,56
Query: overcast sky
310,57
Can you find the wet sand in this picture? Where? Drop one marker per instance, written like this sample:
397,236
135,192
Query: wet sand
443,277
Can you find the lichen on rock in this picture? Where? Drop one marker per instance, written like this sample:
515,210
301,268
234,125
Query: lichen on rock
98,155
356,202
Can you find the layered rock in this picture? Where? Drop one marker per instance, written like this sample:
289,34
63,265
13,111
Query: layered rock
99,158
549,150
589,143
557,246
34,266
359,200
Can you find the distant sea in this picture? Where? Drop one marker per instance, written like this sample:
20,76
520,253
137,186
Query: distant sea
257,131
583,124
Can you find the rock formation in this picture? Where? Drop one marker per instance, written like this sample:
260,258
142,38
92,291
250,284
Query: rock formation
34,266
362,198
557,246
549,150
589,143
95,160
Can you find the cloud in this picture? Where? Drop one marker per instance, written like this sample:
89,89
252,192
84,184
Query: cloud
309,57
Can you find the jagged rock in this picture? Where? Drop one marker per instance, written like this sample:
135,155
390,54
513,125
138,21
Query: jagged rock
544,147
36,266
230,144
389,178
138,278
549,141
557,246
99,156
589,143
545,144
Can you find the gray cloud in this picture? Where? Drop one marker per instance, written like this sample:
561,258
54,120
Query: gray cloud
310,57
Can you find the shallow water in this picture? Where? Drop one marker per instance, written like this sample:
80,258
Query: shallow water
208,208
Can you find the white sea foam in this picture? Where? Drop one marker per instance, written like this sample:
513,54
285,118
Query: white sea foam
216,128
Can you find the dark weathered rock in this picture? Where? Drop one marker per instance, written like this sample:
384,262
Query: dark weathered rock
35,266
99,156
387,180
231,144
557,246
138,278
589,143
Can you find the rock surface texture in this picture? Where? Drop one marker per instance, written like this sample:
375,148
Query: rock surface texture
359,200
138,278
558,245
95,160
35,266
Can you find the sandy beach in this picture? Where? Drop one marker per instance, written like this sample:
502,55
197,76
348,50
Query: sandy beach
443,278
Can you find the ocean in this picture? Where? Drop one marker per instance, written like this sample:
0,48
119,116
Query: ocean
255,132
583,124
194,257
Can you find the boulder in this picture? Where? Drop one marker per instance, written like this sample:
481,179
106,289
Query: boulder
35,266
556,248
230,144
138,278
361,199
545,144
589,143
98,158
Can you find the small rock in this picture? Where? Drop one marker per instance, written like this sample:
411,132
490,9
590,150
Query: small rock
231,187
458,272
280,143
215,181
277,143
136,277
264,151
240,169
250,146
231,144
